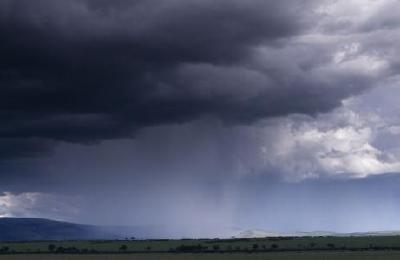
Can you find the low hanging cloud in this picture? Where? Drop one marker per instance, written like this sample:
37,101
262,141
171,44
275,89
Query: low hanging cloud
35,204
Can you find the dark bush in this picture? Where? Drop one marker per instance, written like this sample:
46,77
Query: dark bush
4,249
215,247
123,248
190,248
330,245
274,246
51,247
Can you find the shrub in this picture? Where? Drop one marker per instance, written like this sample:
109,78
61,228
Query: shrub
190,248
4,249
330,245
52,247
274,246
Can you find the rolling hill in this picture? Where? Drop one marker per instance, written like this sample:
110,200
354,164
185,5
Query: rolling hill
24,229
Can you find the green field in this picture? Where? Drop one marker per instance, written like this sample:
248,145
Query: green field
372,243
220,256
324,248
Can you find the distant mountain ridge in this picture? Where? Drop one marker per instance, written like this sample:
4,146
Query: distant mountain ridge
258,233
24,229
16,229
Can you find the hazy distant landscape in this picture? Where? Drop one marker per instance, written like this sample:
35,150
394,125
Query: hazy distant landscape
39,229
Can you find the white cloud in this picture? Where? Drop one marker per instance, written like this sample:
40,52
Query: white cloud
34,204
345,51
395,130
17,204
348,58
339,144
350,15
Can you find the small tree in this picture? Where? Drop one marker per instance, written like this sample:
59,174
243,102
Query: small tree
52,247
123,248
255,246
216,247
60,249
330,245
274,246
4,249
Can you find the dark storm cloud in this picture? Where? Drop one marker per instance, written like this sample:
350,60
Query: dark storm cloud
32,147
84,71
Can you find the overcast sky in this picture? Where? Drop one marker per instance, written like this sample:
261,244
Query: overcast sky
202,117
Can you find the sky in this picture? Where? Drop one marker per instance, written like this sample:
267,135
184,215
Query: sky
203,118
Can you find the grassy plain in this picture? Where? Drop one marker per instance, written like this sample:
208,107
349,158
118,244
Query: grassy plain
381,255
283,248
237,245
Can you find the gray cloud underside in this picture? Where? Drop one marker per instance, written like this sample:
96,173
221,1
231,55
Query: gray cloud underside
84,71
